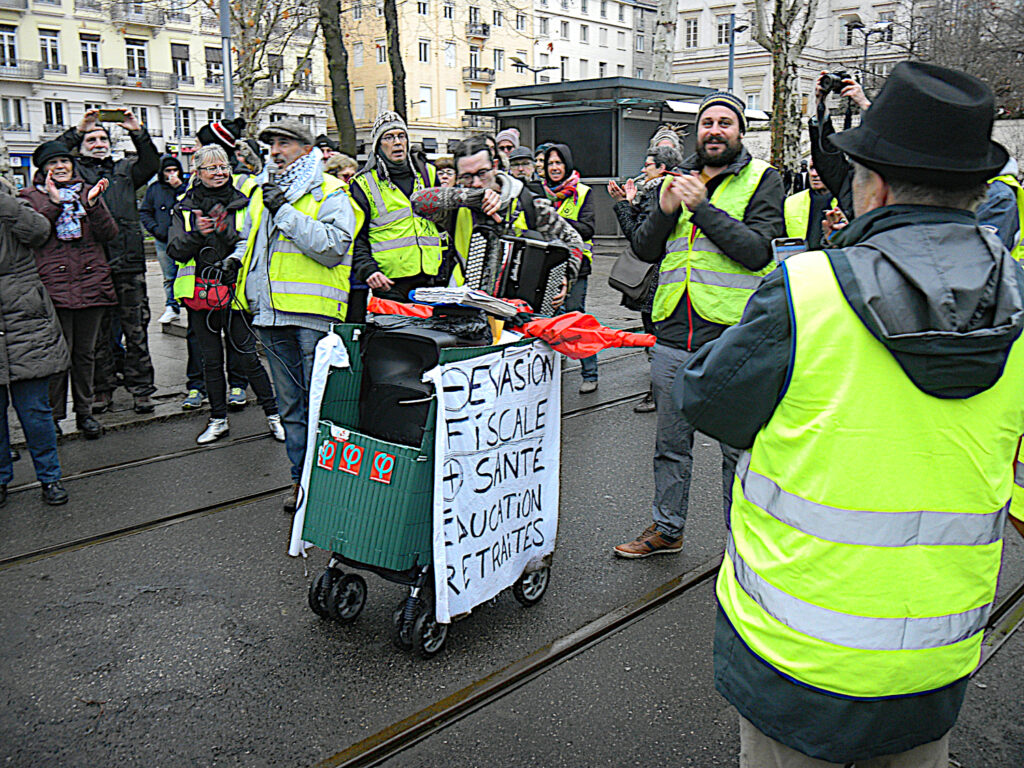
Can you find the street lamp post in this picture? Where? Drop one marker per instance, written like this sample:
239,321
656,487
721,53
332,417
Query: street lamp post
536,70
878,29
733,31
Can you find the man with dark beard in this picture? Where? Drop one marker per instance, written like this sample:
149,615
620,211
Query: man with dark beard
711,229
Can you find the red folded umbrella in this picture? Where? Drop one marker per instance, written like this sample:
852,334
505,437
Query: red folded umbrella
577,335
389,307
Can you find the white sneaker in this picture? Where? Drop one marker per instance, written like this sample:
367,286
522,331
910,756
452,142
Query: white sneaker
276,427
215,430
169,316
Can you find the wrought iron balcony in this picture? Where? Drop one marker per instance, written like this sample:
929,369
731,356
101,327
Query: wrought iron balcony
54,129
157,81
14,5
478,121
478,74
217,81
21,69
17,127
185,80
179,17
89,5
94,71
57,69
478,29
133,14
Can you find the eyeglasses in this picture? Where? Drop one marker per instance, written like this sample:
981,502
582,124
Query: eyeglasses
391,138
467,178
215,168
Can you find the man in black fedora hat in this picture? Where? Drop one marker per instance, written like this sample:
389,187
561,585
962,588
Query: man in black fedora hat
880,388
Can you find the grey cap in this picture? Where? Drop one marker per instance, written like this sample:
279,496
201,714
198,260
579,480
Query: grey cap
521,153
290,129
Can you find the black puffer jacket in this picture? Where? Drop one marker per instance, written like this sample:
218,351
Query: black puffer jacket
31,343
125,252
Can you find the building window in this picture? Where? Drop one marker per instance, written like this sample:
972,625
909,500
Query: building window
474,57
309,121
184,122
565,5
722,30
90,54
379,7
357,10
620,39
474,99
11,113
474,14
135,53
423,7
214,115
499,60
426,101
357,54
451,102
358,103
583,68
639,73
848,37
620,70
86,106
275,63
753,101
602,69
563,68
584,33
382,98
521,21
8,46
690,33
449,53
277,117
449,10
304,69
542,26
584,7
215,66
602,37
53,114
521,55
604,9
499,18
382,51
49,49
423,51
622,12
142,113
639,42
179,61
564,28
887,17
544,60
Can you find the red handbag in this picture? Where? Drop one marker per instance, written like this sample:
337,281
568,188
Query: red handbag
209,294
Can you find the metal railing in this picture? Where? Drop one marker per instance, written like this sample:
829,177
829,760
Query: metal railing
159,81
47,2
185,80
21,69
210,23
89,5
477,121
16,127
179,17
150,17
478,29
59,69
96,71
17,5
478,74
214,82
54,129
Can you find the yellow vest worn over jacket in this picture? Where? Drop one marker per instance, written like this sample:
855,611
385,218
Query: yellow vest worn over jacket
298,283
403,244
570,209
867,518
185,282
718,286
797,210
1012,183
514,218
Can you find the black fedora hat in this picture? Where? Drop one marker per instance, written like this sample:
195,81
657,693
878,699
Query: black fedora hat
47,151
929,125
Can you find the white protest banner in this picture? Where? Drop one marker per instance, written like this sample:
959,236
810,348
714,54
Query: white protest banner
495,472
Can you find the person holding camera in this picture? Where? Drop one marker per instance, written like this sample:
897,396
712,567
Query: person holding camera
834,170
204,229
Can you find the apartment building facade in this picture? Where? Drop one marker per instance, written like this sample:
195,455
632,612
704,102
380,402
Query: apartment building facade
702,47
455,54
61,57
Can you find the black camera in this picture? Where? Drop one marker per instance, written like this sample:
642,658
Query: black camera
832,82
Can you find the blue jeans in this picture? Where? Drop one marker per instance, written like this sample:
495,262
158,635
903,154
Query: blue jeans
32,403
170,269
576,301
290,352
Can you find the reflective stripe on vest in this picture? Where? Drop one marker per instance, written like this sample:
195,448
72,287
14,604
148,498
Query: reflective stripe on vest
866,523
718,286
244,183
570,209
797,212
298,283
185,282
1017,500
1011,181
403,244
514,218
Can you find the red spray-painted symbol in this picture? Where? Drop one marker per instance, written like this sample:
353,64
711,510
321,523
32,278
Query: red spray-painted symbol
383,466
351,459
325,455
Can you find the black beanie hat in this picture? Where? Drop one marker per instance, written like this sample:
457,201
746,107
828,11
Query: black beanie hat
47,151
727,100
167,161
222,132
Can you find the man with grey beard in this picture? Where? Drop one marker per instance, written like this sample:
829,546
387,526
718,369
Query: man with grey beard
124,253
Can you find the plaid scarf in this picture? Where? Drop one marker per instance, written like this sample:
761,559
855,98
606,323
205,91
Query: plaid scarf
565,190
69,225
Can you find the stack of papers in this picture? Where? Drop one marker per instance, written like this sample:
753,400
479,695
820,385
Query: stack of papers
464,297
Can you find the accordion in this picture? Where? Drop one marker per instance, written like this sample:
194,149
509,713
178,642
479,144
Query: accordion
522,266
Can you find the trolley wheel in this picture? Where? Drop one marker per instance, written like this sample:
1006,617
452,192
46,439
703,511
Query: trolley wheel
531,586
320,589
402,633
347,598
428,635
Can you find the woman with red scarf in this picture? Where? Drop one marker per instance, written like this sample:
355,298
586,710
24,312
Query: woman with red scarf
574,202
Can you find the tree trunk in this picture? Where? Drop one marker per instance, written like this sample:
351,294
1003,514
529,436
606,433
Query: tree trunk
664,44
395,57
337,70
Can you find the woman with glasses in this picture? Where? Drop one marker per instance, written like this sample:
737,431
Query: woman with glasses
204,229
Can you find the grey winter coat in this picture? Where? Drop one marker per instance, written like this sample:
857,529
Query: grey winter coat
31,343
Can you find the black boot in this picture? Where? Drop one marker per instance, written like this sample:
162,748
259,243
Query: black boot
88,426
54,494
3,495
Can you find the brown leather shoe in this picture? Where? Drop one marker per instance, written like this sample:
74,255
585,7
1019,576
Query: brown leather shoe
650,542
291,501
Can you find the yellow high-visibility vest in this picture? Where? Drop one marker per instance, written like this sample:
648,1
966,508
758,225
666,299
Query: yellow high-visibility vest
1011,181
570,209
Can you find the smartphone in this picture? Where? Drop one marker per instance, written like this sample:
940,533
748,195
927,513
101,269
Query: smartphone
111,116
784,247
